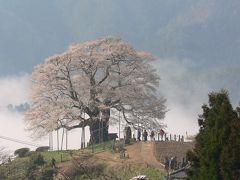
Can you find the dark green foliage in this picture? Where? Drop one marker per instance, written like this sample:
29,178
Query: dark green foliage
3,175
42,148
127,141
31,171
230,157
47,173
195,164
22,152
37,159
38,169
216,153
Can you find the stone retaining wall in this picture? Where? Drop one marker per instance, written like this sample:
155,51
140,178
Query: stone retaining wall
170,149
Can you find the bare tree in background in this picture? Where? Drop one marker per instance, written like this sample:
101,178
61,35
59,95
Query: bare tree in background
89,83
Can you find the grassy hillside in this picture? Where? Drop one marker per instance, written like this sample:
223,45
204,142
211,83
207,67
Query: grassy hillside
99,161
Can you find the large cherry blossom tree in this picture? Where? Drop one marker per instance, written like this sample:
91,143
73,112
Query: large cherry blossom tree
87,84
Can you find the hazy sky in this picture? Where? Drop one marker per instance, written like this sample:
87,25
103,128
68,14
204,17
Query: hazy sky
197,44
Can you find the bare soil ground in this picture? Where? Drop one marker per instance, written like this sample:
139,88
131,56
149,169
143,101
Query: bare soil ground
141,153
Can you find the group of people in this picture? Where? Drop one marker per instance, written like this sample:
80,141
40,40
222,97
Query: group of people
172,163
145,135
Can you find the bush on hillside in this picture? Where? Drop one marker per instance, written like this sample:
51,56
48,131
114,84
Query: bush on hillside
42,148
37,159
22,152
47,173
85,167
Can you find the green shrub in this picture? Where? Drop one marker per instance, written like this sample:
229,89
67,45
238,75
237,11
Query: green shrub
35,166
22,152
42,149
47,173
86,167
37,159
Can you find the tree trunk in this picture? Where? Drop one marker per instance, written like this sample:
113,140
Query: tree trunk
105,123
99,127
99,132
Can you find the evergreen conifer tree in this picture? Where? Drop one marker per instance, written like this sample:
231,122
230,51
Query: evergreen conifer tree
218,142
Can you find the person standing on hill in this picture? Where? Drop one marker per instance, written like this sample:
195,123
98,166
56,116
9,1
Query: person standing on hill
53,163
166,163
152,136
145,134
162,133
139,135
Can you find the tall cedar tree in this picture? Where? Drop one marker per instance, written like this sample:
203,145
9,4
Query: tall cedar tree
216,153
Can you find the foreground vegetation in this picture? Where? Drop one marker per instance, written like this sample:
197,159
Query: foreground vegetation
73,164
33,161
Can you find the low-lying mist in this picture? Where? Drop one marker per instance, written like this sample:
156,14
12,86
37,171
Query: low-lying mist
184,86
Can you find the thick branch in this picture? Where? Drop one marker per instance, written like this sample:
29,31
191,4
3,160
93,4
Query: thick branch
81,124
105,77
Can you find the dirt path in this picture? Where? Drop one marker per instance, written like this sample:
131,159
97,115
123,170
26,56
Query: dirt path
139,153
148,157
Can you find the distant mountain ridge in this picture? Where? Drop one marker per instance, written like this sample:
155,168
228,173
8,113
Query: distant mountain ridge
18,108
